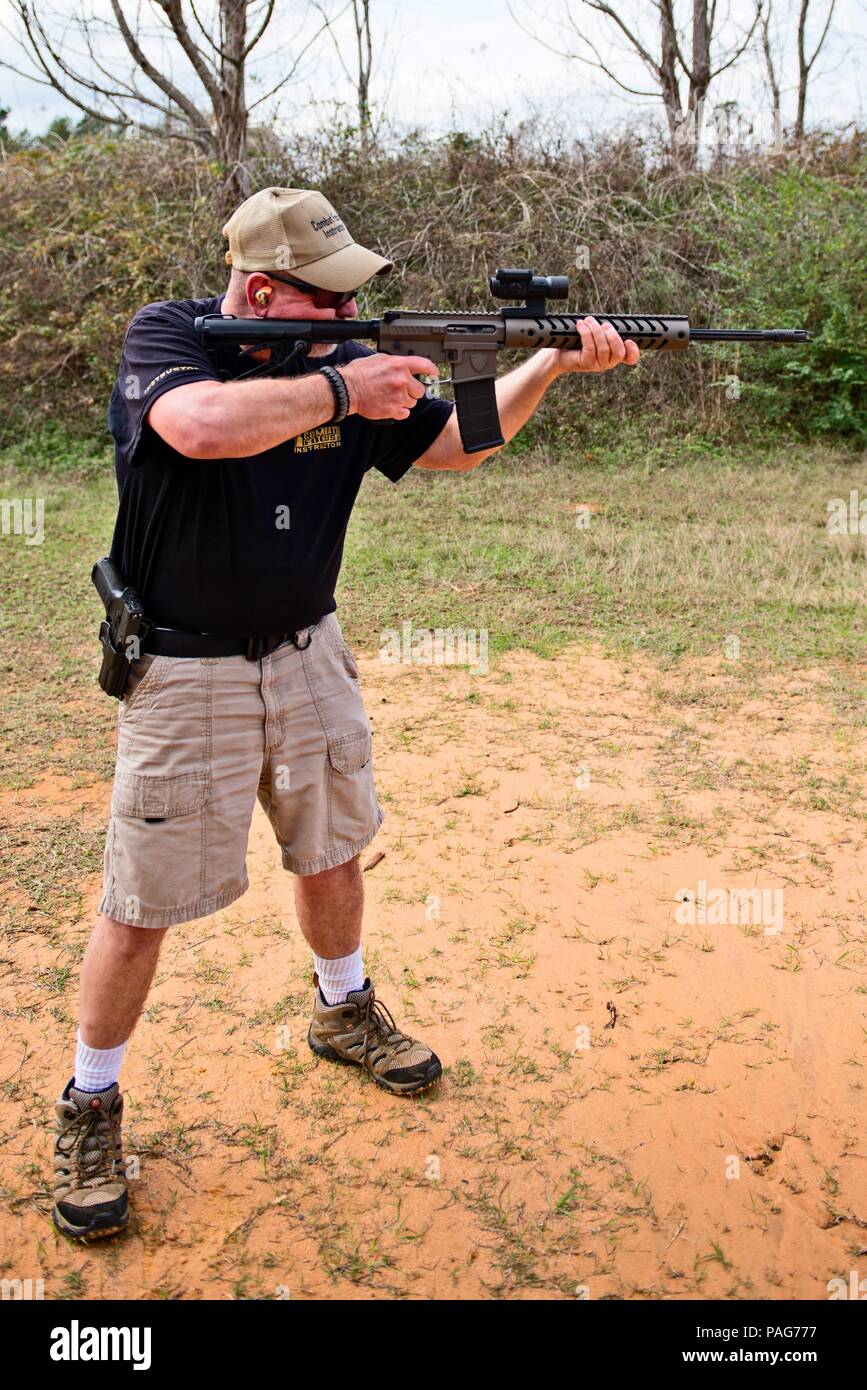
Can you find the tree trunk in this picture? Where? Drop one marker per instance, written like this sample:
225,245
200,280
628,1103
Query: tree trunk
231,111
668,68
803,71
700,70
773,80
364,42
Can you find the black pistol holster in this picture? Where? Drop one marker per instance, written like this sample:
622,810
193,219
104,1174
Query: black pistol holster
124,630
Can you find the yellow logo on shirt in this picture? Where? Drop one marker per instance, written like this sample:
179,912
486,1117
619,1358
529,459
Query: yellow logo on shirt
325,437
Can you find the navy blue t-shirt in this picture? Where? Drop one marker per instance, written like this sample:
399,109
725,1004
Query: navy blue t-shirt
239,547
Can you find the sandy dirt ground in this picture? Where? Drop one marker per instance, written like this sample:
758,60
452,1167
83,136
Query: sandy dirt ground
635,1104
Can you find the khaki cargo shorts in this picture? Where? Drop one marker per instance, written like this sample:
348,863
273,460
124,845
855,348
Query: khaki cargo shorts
198,739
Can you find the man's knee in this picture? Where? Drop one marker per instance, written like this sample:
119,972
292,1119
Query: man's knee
128,941
341,876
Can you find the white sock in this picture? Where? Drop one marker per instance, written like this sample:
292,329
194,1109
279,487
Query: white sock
337,977
96,1067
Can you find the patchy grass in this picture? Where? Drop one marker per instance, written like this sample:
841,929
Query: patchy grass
678,557
681,556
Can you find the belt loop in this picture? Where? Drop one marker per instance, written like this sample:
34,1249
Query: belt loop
310,631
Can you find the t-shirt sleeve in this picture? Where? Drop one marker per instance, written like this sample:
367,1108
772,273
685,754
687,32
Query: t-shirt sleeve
396,448
161,351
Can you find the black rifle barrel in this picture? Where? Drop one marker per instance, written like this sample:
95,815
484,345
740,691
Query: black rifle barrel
652,332
749,335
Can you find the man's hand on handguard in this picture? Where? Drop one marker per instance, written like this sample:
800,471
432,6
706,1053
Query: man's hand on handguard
383,387
601,349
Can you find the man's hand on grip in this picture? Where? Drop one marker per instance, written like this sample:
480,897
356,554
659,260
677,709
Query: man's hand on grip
384,387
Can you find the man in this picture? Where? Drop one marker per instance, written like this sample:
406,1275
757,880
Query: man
237,476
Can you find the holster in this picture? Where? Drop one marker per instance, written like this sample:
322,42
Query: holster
123,631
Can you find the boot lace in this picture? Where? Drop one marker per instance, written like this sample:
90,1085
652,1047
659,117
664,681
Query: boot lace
90,1142
380,1027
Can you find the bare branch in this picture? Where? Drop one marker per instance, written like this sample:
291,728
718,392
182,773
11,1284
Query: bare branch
317,5
773,80
633,38
198,62
594,62
733,59
206,35
159,79
291,73
802,35
266,20
43,49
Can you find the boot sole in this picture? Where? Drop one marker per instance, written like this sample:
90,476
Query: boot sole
85,1233
327,1053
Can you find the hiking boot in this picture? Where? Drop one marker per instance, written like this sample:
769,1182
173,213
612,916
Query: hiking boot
362,1032
90,1188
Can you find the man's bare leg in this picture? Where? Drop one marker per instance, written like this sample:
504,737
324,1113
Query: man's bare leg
343,1028
330,907
116,974
90,1184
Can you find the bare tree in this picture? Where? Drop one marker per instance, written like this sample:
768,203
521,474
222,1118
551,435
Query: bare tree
208,105
774,57
805,64
661,47
363,60
770,66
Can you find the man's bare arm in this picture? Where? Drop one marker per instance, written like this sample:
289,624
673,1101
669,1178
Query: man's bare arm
519,393
236,419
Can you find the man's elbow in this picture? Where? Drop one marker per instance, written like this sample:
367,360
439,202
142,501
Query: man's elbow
465,463
203,439
198,431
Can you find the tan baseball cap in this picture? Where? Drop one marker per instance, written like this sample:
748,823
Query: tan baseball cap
297,230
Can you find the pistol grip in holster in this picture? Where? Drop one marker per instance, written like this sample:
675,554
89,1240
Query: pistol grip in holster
114,670
122,631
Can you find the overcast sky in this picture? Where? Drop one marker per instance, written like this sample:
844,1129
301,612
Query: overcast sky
462,62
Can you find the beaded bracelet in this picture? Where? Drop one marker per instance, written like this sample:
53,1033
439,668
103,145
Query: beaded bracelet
340,391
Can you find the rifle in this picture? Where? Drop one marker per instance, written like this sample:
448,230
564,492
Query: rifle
469,343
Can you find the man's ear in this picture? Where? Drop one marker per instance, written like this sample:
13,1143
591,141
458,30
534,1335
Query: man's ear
259,293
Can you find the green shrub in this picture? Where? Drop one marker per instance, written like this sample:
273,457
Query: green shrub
792,251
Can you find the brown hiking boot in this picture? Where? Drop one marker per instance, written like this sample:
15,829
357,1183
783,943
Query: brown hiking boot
90,1188
362,1032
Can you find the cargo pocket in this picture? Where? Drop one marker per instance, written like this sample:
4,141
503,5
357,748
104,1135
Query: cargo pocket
353,811
350,752
138,794
158,841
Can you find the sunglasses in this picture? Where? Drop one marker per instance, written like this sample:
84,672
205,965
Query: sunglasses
323,299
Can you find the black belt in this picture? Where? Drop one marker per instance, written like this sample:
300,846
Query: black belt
171,641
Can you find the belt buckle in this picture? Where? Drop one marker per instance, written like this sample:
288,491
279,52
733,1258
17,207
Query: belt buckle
255,648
